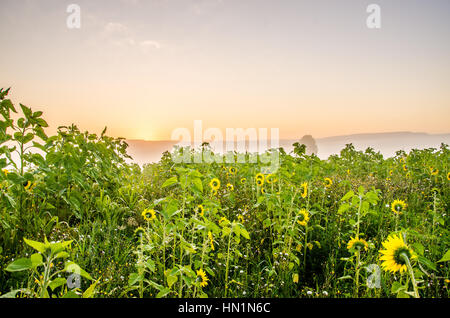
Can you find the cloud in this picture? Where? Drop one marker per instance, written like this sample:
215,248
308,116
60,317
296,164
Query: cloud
148,43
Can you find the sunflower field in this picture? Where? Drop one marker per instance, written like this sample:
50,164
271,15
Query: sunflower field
78,220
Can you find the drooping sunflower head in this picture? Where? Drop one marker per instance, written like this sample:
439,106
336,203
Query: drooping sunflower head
211,240
393,254
202,278
149,214
139,231
304,185
230,187
328,182
398,206
303,217
232,170
357,243
200,210
214,184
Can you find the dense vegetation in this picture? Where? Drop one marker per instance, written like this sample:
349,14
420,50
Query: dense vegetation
354,225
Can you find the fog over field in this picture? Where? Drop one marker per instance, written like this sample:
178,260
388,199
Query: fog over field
144,151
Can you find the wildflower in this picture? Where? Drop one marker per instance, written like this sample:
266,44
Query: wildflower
263,191
448,176
394,253
241,218
223,220
405,167
149,214
304,185
230,187
357,243
295,278
201,275
215,184
328,182
243,180
232,170
5,172
213,191
398,206
303,217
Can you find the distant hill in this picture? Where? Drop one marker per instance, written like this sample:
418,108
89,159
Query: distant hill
144,151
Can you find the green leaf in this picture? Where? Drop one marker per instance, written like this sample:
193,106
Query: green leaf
57,283
20,264
445,258
163,292
348,195
89,293
38,246
169,182
36,260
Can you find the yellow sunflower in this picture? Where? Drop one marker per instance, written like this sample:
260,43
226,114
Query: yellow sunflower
200,210
202,278
232,170
328,182
259,176
214,184
149,214
213,192
393,254
357,243
243,180
271,178
405,167
304,185
448,176
398,206
433,171
263,191
303,217
230,187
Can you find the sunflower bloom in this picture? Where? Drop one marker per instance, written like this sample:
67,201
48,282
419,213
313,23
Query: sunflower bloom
448,176
232,170
243,180
303,217
214,184
259,179
328,182
230,187
149,214
394,248
433,171
398,206
201,276
200,210
271,178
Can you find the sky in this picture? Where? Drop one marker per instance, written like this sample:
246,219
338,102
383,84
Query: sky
144,68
